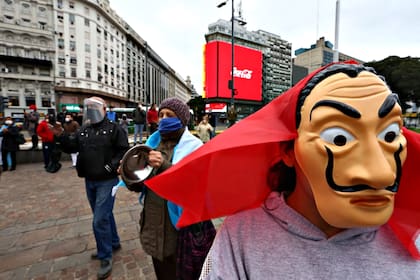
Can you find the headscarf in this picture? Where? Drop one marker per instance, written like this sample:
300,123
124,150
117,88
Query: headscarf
234,167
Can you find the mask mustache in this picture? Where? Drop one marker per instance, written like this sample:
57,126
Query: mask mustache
360,187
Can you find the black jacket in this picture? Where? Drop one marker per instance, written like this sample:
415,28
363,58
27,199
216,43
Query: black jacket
139,116
9,143
101,146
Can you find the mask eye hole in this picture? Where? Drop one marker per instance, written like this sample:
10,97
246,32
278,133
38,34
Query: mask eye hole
337,136
390,133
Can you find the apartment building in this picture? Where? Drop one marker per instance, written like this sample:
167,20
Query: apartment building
58,52
319,54
27,53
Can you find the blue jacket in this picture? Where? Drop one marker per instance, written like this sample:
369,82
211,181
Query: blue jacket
186,145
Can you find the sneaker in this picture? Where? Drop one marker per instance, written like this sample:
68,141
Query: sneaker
105,269
94,255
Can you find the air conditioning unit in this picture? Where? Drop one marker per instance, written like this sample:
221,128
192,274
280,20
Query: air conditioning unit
18,21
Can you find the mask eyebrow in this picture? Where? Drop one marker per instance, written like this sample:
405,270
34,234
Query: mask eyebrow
388,104
342,107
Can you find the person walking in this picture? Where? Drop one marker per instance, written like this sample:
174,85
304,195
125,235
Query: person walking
33,120
139,118
167,245
101,144
9,131
71,127
152,118
204,129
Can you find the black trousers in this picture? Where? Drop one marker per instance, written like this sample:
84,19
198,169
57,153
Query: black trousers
166,269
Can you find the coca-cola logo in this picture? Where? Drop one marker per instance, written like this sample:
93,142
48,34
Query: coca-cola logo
245,74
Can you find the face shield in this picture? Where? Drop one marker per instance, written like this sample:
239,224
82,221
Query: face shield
93,111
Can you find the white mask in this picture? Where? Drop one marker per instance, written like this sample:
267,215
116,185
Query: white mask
67,119
8,122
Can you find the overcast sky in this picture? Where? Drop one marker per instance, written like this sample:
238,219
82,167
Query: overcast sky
369,29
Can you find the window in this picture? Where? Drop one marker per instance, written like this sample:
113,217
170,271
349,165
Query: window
45,102
60,43
62,72
72,45
87,48
14,100
87,22
73,60
60,4
71,19
73,72
99,53
71,5
30,100
88,74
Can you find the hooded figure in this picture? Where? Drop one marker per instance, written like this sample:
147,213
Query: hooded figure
349,147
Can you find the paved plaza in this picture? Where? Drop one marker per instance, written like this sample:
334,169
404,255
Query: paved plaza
46,228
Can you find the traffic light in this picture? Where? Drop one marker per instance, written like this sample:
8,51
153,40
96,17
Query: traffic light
4,103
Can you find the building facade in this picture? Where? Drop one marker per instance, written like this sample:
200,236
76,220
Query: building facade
58,52
27,52
276,64
319,54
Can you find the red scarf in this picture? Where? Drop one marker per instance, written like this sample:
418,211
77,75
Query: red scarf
229,173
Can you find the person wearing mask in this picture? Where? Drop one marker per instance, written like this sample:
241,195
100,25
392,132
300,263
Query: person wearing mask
101,144
9,131
204,129
327,187
71,127
48,129
139,118
152,118
158,235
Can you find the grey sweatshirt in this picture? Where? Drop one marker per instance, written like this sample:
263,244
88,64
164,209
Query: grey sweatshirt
276,242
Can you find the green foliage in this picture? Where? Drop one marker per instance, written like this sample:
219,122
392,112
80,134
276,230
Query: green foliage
402,75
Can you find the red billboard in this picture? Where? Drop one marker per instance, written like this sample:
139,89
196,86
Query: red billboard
247,71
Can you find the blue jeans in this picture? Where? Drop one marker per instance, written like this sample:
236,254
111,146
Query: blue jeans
104,228
138,129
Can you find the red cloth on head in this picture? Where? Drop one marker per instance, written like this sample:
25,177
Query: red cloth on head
229,173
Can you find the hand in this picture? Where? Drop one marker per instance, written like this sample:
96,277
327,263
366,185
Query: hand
155,159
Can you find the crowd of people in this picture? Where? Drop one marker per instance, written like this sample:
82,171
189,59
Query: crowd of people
326,185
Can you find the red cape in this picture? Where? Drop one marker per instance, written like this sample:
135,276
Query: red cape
229,173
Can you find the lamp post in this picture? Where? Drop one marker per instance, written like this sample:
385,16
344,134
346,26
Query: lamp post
231,83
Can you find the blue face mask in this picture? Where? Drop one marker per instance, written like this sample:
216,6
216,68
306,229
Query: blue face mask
169,125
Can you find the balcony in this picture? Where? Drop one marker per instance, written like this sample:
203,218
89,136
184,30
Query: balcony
26,60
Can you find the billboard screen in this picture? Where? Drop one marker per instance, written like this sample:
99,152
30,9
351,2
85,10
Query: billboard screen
247,71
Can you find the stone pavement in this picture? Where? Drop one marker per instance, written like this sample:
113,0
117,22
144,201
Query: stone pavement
46,228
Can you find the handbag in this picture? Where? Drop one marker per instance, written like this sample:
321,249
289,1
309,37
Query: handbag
194,243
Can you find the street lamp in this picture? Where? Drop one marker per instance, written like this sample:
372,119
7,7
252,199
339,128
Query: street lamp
231,83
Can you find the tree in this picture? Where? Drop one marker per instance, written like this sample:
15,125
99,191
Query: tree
402,75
